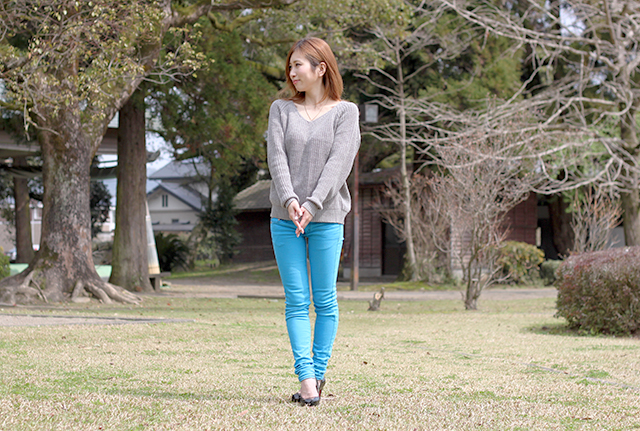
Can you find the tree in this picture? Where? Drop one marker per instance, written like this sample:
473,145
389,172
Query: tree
583,84
71,66
130,262
398,42
477,184
432,264
429,67
594,215
22,200
12,123
218,116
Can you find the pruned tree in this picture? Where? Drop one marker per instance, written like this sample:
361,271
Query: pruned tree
594,215
476,183
70,66
432,265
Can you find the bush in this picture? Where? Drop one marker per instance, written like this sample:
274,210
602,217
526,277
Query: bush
599,292
548,270
5,269
172,252
519,261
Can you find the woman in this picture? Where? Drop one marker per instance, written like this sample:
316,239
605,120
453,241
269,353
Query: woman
312,142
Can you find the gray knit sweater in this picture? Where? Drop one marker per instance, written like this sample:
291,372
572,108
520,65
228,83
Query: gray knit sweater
310,160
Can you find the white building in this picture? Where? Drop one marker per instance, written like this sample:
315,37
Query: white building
177,199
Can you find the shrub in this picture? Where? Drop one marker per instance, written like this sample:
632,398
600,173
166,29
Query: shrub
548,270
5,269
599,292
172,251
519,261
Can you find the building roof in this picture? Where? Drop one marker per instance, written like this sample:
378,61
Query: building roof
10,147
379,176
173,227
180,169
255,197
184,193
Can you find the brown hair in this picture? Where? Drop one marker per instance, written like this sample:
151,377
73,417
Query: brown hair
316,51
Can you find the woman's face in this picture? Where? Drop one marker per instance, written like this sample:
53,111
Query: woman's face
302,73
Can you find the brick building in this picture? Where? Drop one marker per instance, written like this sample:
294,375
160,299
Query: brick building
381,252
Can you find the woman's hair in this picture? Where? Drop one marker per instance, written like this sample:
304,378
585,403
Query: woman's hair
316,51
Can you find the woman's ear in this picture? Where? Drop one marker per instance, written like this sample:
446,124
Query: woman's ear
323,68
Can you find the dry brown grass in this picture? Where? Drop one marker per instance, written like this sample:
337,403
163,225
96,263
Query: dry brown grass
422,365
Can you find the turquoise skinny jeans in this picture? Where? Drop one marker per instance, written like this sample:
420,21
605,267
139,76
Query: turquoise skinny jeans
322,243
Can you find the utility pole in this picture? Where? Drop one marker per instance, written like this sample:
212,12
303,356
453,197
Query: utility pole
355,257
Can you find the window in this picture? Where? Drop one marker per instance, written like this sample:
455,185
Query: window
175,220
165,201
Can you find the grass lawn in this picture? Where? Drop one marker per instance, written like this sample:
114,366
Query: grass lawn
412,365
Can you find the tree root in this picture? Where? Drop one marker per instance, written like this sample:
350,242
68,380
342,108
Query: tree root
107,292
79,294
27,290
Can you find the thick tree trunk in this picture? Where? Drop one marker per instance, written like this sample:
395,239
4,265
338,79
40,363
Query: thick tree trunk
63,266
24,242
130,266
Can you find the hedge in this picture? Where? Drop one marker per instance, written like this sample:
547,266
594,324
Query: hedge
599,292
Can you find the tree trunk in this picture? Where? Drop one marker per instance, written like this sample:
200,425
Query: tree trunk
63,266
24,242
130,266
410,270
631,216
561,225
631,200
471,296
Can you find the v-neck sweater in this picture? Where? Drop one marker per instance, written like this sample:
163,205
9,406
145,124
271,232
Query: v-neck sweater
310,161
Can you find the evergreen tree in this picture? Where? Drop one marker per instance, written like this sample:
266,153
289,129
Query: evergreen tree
219,116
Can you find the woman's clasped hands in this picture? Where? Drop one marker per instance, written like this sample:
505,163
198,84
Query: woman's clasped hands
299,216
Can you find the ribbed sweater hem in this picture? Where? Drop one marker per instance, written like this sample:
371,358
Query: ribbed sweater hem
331,216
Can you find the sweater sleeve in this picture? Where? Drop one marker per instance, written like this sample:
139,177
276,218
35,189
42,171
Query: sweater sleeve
277,157
338,167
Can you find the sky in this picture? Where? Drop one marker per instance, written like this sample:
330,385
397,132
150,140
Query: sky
154,143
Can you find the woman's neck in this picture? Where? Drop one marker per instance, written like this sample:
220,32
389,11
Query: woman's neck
314,96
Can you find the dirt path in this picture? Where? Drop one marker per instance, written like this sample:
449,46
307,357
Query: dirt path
233,286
